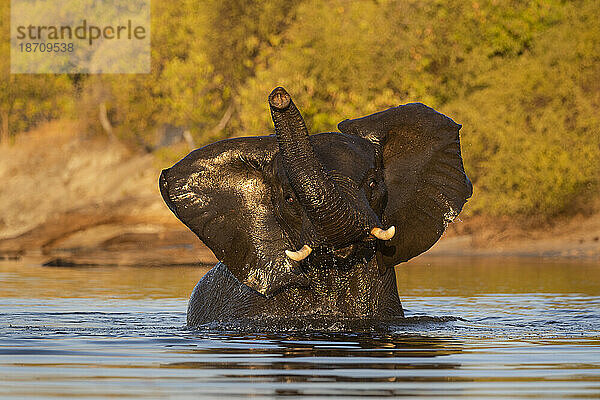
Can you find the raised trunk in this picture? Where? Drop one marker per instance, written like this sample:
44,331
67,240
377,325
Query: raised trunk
336,221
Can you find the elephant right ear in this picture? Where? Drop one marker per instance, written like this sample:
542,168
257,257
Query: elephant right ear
424,174
223,193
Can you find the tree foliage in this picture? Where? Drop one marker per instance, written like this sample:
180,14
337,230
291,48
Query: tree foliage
27,100
522,78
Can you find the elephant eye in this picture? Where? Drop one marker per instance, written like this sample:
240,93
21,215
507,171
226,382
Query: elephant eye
289,199
372,183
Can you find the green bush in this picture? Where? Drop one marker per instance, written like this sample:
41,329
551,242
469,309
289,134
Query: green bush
531,139
522,77
27,100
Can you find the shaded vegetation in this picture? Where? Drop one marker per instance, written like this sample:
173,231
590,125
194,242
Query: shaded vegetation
522,78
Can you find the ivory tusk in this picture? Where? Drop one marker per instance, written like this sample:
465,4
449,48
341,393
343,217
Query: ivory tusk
300,254
384,235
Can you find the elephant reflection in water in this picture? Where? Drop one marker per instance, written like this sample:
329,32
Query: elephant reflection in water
331,356
313,225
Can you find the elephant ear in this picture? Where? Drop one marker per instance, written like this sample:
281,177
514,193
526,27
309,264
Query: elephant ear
424,174
222,192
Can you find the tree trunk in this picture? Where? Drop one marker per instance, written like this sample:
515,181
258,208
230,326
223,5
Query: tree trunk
106,125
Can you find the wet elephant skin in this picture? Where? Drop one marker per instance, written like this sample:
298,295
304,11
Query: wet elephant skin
313,225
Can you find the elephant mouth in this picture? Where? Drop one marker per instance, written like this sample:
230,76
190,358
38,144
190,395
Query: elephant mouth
344,257
349,251
345,252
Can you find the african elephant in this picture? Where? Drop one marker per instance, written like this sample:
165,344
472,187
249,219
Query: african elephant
313,225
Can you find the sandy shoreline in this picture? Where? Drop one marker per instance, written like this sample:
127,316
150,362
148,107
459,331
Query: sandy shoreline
145,243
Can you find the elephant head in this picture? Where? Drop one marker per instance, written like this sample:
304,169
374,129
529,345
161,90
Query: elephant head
269,207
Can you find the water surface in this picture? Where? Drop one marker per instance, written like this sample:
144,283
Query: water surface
524,329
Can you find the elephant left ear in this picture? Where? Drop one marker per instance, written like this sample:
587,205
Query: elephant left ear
424,174
222,192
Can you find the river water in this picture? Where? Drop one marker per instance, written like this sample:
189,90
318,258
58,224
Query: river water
524,329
